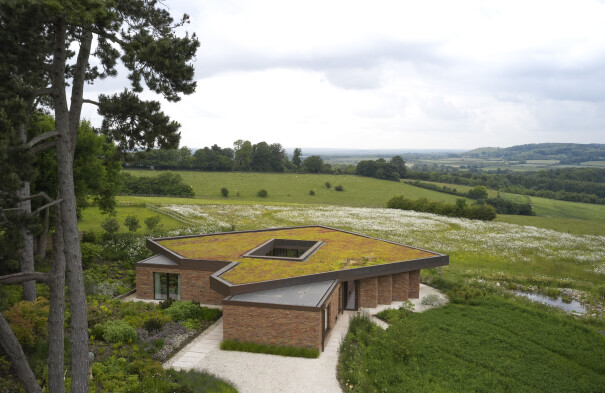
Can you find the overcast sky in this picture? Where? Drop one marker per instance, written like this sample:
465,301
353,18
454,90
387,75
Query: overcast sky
392,74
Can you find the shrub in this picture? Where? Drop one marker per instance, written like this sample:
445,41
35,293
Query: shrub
110,226
166,303
262,193
224,192
246,346
328,185
132,223
432,300
153,324
481,212
90,252
152,222
118,332
182,311
339,188
311,192
29,320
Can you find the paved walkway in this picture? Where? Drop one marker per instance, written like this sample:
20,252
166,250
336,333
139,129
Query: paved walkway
252,372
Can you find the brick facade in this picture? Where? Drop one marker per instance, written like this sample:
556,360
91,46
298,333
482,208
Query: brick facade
368,292
385,289
195,284
414,288
273,326
401,284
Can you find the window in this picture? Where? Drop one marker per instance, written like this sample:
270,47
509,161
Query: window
285,249
166,285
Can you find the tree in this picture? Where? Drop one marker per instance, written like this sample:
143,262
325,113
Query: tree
243,155
110,226
46,47
152,222
296,161
132,223
478,192
313,164
399,165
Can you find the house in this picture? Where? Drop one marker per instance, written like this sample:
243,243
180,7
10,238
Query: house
284,286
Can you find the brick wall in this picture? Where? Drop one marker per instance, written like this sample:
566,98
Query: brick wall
414,288
333,302
385,289
401,283
273,326
195,284
368,292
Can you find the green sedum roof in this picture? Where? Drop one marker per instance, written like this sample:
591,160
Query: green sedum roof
342,250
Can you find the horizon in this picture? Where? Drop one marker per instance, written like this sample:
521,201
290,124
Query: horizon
431,75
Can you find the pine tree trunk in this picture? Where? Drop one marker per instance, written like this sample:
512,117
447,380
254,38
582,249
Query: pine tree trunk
56,316
73,257
12,347
26,252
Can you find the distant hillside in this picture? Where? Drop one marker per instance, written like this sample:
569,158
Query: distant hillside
566,153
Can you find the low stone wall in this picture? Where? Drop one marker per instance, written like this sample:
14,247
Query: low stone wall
195,284
273,326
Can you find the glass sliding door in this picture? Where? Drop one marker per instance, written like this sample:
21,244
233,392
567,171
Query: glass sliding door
166,285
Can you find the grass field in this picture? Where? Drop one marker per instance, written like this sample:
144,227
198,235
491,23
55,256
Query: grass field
294,188
572,217
488,344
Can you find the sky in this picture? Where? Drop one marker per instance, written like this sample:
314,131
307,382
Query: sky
431,74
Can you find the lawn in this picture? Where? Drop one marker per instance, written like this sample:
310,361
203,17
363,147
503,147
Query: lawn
294,188
487,344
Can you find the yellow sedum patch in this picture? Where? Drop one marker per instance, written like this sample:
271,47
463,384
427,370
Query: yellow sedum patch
341,251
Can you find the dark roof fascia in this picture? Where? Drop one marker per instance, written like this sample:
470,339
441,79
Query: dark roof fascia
328,293
189,264
228,302
226,288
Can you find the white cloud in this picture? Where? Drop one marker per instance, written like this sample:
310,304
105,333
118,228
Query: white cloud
395,74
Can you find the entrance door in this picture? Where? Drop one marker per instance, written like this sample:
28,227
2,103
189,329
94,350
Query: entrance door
350,295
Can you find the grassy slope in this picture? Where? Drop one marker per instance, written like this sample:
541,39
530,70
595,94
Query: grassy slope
294,188
494,345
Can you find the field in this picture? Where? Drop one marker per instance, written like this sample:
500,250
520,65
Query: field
487,344
484,343
294,188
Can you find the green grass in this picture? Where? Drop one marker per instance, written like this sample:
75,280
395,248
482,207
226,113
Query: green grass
244,346
570,225
294,188
494,345
201,382
92,217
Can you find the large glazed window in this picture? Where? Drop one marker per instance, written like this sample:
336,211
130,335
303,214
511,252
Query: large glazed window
166,285
285,249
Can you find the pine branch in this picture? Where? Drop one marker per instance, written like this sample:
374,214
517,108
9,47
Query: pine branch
38,210
91,102
42,147
41,137
18,278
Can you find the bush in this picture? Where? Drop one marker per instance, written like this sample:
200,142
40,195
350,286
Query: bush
181,311
118,332
432,300
29,320
110,226
90,252
224,192
311,192
166,303
152,222
339,188
153,324
262,193
132,223
246,346
328,185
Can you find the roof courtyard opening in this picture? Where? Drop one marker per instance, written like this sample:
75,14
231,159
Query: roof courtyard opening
285,249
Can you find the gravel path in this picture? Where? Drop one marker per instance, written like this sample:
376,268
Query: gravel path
252,373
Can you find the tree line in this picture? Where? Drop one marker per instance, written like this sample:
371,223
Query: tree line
477,211
568,184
